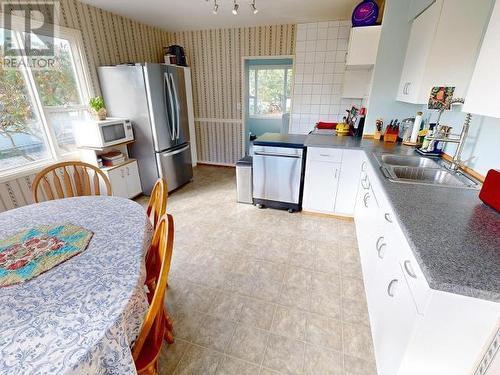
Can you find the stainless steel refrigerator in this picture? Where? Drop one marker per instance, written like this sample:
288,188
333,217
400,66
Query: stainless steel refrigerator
153,97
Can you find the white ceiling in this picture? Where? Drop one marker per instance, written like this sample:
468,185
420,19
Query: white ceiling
177,15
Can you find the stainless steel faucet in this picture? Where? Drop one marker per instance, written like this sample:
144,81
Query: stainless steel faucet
443,136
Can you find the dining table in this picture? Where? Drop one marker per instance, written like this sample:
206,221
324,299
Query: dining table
83,315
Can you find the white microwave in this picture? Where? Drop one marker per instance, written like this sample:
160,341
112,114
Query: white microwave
104,133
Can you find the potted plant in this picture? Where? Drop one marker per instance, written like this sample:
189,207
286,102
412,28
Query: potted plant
97,106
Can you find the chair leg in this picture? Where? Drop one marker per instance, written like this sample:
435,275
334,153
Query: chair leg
168,321
168,336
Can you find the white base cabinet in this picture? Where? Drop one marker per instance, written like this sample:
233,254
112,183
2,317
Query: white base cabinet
125,180
329,177
415,330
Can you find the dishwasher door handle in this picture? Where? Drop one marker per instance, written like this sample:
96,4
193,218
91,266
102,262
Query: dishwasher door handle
277,155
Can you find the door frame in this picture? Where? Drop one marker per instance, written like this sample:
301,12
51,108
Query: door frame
244,103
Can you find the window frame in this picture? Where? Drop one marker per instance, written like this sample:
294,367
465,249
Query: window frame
84,87
256,68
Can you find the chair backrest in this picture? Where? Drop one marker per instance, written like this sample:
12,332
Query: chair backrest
157,205
153,327
69,179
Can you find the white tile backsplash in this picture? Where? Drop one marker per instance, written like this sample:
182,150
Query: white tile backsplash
319,72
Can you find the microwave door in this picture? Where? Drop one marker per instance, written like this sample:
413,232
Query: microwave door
160,106
178,82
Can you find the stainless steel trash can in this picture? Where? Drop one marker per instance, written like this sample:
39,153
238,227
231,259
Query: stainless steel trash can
244,180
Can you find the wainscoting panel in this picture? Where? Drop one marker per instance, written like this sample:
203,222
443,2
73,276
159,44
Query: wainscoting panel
16,193
219,142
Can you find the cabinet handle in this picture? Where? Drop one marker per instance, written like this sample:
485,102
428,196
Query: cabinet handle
409,269
377,244
387,217
123,173
363,166
381,250
336,172
408,88
391,286
128,172
367,181
324,155
365,199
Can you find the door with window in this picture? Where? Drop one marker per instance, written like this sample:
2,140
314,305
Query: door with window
40,103
268,95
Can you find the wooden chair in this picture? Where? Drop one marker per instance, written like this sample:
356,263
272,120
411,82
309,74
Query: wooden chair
157,205
148,345
69,179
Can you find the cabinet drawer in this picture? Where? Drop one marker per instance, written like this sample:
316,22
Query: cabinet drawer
325,154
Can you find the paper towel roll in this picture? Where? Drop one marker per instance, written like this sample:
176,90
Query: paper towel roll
416,127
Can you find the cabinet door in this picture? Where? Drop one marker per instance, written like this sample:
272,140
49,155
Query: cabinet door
320,187
133,181
363,45
348,182
393,318
482,96
118,182
417,52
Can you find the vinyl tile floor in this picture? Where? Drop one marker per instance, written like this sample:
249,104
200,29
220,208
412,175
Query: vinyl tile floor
261,291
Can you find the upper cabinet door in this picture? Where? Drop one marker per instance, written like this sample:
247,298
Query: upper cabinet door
363,46
419,46
443,47
482,96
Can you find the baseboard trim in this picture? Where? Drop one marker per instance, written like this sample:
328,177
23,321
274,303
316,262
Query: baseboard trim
222,165
331,216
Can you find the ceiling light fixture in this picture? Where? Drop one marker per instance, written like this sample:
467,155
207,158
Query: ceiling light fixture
254,8
216,7
235,8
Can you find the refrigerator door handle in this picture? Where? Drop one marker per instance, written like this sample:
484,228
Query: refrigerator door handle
177,116
176,151
168,103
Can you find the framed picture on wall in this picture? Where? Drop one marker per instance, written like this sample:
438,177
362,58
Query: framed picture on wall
440,97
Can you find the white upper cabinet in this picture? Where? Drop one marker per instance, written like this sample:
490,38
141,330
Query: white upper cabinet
482,96
417,7
442,49
363,46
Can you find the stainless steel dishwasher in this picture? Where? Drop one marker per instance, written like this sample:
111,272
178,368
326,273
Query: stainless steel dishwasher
277,177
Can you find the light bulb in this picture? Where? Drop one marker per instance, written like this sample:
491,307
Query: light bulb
235,8
216,8
254,9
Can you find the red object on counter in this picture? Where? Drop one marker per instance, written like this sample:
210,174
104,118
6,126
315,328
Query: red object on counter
490,192
326,125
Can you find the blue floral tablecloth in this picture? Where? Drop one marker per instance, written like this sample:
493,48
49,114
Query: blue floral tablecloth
82,316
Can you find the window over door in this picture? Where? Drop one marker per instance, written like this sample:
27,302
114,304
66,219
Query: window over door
269,90
39,106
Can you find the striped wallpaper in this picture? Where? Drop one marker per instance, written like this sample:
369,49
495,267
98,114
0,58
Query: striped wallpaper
109,38
215,57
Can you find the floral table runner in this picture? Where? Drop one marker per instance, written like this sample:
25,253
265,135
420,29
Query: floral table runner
31,252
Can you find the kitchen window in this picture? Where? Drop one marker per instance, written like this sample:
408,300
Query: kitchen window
269,91
40,105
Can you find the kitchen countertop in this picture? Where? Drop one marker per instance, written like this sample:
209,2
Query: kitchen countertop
278,139
454,236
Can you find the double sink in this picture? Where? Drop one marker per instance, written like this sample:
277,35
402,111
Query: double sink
421,170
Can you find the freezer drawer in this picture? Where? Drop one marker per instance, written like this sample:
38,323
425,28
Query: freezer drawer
277,174
175,166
